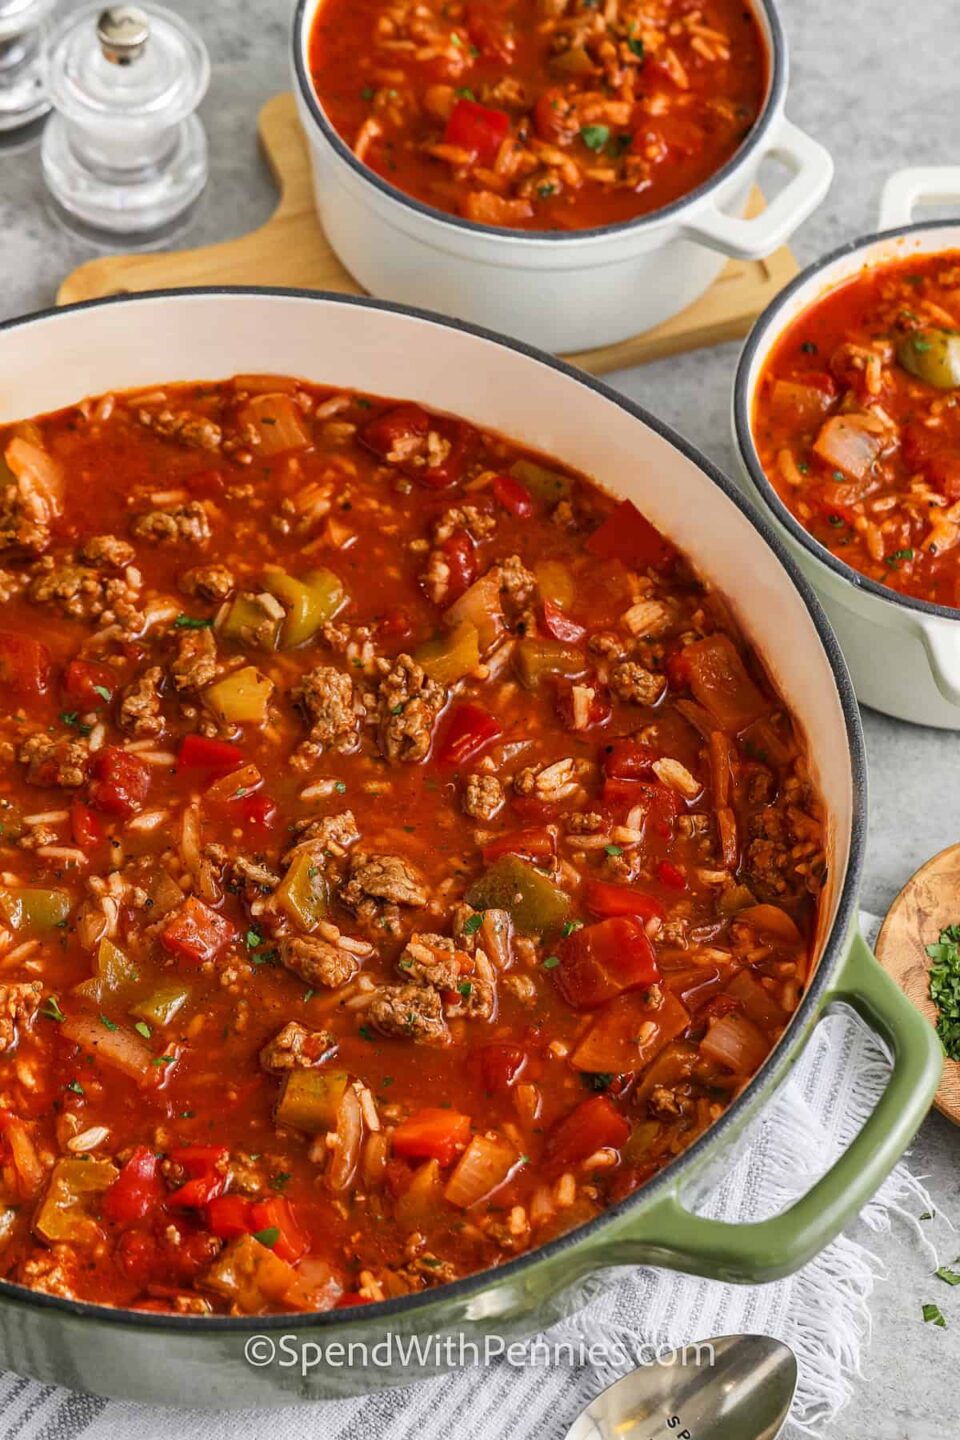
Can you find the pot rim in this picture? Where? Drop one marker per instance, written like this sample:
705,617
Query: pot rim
776,45
763,328
770,1073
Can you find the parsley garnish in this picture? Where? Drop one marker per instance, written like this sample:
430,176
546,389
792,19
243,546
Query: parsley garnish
142,1028
465,93
340,787
279,1181
948,1276
932,1314
597,1080
613,849
108,1024
366,1033
808,347
472,923
367,93
897,556
76,1087
52,1011
551,962
191,622
636,46
254,939
569,927
945,988
268,1237
595,136
105,695
465,988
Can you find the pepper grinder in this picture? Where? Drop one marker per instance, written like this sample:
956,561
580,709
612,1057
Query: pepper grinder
125,156
23,95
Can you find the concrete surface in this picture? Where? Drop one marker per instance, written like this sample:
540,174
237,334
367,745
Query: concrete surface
878,85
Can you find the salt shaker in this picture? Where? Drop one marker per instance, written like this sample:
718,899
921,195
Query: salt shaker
23,95
124,155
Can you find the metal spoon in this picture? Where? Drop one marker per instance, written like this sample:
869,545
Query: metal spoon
736,1387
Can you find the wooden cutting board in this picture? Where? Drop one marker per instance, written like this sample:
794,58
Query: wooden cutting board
927,904
290,249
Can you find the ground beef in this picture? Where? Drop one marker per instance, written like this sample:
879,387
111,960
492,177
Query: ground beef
207,582
408,704
140,712
630,681
196,661
585,822
18,1005
329,833
54,762
106,552
187,524
316,961
295,1047
412,1012
81,592
183,426
56,1272
326,697
482,796
479,524
433,960
377,886
516,582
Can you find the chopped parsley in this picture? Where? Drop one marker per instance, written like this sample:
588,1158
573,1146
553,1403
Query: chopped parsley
340,787
108,1024
76,1087
105,695
51,1010
191,622
465,93
569,926
808,347
162,1059
279,1181
367,93
268,1237
366,1033
948,1275
635,45
613,849
254,939
472,924
897,556
596,1080
595,136
551,962
945,988
142,1028
546,190
933,1315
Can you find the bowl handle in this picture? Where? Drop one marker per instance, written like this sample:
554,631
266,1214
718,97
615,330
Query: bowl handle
752,239
943,652
906,189
667,1233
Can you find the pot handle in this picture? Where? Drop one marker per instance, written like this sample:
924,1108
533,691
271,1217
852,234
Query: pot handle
943,652
907,188
667,1233
752,239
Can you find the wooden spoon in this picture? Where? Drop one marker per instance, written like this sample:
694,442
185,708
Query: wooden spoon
927,904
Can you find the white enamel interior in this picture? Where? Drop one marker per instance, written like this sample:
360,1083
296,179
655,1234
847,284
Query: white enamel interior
57,359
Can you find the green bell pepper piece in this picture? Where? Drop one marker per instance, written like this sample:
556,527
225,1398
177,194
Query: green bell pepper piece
310,1099
933,356
162,1004
249,621
34,908
115,970
451,655
310,602
304,893
65,1211
533,659
546,484
536,905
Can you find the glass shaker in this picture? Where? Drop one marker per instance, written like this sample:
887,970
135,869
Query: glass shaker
23,96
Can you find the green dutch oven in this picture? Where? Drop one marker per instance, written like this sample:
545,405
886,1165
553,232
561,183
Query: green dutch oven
50,360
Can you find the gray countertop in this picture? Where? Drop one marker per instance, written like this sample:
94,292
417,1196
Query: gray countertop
858,86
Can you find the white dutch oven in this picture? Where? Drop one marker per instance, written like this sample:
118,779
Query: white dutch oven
903,654
564,291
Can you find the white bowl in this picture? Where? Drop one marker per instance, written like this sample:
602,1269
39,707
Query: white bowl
903,653
570,290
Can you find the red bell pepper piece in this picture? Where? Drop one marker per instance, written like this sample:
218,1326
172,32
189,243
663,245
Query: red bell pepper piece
432,1134
628,760
87,830
539,843
598,709
24,665
660,804
277,1214
603,960
602,898
229,1216
85,682
501,1066
137,1190
120,782
197,752
206,1170
478,129
469,729
670,876
560,626
258,810
628,536
196,932
515,498
399,436
461,561
595,1124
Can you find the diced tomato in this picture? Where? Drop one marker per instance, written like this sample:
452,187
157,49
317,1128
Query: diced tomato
536,843
86,685
919,444
514,497
469,729
86,828
598,707
720,682
196,933
489,32
666,135
392,432
258,810
229,1216
670,876
197,752
24,665
432,1134
351,1297
602,898
679,671
595,1124
660,804
560,626
396,624
120,782
477,128
943,472
628,760
277,1214
627,535
603,960
629,1032
206,1170
137,1190
461,560
555,117
205,483
501,1066
399,436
